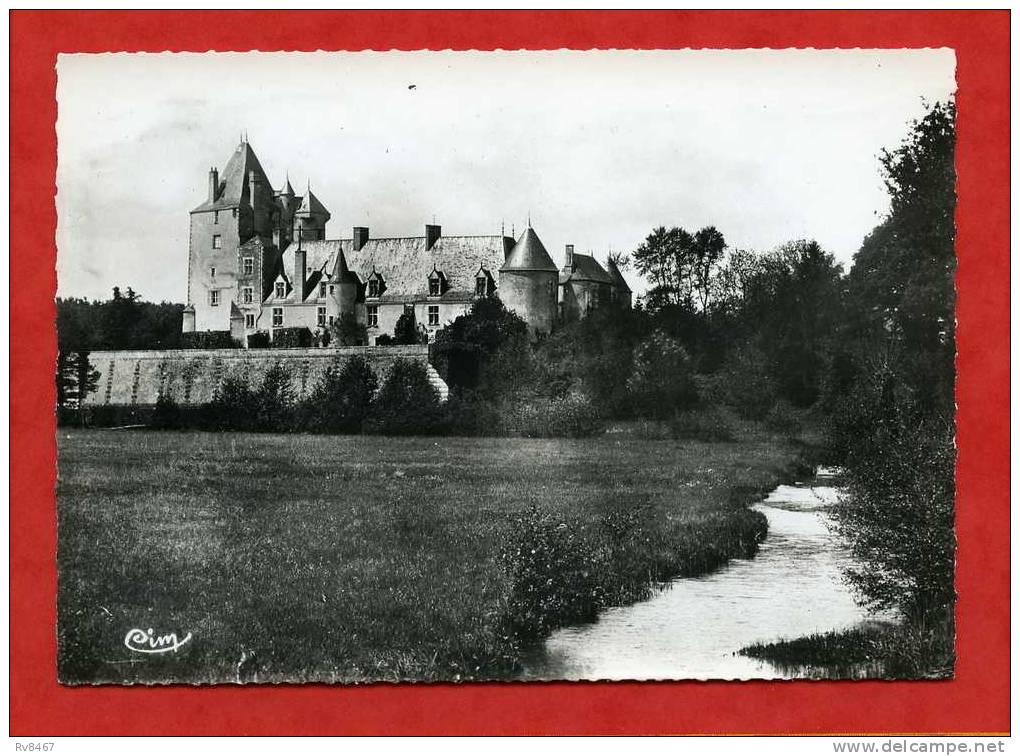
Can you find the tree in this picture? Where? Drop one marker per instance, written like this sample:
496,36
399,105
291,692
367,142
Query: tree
681,265
342,398
901,282
407,403
486,349
76,379
347,331
892,420
406,330
274,400
662,383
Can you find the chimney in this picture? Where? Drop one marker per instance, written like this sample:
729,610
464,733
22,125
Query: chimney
298,279
253,183
432,234
570,256
214,183
360,236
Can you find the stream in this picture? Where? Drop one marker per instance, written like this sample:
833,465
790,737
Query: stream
693,627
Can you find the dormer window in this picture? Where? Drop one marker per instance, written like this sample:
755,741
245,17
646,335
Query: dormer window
435,283
483,283
376,285
249,266
281,290
322,290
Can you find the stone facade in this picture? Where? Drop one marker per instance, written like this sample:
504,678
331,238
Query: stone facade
259,260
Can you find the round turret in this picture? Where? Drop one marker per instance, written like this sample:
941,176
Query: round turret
528,282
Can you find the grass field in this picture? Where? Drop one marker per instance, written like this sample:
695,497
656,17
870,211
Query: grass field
360,557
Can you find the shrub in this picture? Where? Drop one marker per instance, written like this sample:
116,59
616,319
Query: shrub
342,399
570,416
209,340
231,407
347,331
407,403
662,381
467,413
705,424
288,338
167,414
274,401
259,340
406,330
897,515
384,339
485,350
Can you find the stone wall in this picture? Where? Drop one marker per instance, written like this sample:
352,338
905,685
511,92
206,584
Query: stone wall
191,376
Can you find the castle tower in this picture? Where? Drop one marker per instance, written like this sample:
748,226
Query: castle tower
528,281
239,205
311,218
348,286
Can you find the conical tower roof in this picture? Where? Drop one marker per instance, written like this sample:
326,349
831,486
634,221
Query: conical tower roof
310,205
529,254
234,178
288,189
341,271
614,272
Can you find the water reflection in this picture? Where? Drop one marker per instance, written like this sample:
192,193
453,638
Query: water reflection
693,628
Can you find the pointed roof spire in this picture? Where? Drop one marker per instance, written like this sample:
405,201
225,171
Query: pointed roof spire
310,205
341,271
287,188
614,272
529,254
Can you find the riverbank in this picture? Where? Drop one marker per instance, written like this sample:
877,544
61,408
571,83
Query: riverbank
884,650
370,558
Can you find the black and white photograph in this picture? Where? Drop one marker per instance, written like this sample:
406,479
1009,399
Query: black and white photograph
436,366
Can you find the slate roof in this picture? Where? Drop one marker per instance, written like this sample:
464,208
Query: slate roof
586,268
310,205
529,254
405,264
614,273
234,180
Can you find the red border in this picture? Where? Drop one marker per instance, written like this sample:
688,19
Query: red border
977,701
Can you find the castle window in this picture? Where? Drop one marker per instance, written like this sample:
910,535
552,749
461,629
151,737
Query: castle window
277,317
249,320
332,319
480,286
216,216
373,288
433,315
332,289
435,287
322,290
234,212
321,316
373,315
214,298
217,241
281,290
249,266
212,272
247,295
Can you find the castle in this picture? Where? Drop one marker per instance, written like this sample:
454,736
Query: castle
259,260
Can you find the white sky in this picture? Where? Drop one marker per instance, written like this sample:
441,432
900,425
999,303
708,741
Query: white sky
599,146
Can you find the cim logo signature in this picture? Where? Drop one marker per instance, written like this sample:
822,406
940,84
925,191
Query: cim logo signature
147,642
